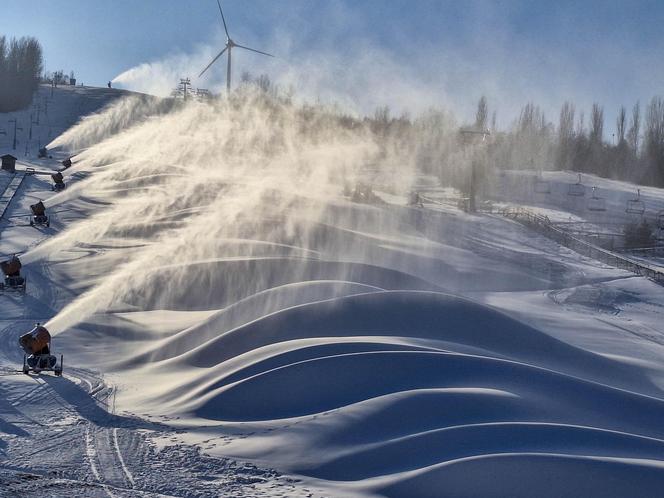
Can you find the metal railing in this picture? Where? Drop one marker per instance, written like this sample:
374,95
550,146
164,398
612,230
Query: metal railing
544,226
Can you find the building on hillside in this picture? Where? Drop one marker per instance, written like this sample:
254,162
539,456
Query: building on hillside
8,163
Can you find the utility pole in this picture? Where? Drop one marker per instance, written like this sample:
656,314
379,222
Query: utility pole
184,83
15,128
32,122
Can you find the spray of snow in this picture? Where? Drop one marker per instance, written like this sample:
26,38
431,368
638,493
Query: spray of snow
243,178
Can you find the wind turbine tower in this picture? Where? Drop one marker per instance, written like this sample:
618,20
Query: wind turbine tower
230,44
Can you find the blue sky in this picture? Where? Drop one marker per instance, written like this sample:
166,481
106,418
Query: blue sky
363,53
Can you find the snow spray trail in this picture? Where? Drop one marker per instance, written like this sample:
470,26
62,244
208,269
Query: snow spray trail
251,178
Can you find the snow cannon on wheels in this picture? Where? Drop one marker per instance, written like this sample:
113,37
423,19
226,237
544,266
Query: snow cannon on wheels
364,194
58,182
39,215
13,279
38,357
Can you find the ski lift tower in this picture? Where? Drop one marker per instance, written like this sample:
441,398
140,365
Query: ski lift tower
473,136
15,128
184,83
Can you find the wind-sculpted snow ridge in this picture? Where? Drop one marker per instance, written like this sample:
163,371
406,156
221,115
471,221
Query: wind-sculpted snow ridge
400,393
222,277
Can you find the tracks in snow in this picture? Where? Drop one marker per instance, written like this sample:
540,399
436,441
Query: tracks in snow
61,434
105,458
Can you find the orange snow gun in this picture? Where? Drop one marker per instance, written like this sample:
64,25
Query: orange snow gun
36,340
38,357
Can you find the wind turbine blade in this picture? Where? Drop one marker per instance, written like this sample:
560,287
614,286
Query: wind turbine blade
213,61
223,19
254,50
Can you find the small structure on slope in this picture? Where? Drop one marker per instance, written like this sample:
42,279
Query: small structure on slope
8,163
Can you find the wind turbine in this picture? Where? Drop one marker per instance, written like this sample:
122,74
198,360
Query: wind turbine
230,44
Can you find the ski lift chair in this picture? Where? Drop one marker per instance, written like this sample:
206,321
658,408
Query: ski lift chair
577,189
542,186
596,203
660,226
636,206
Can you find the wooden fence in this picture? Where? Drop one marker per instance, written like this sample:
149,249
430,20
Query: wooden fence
544,226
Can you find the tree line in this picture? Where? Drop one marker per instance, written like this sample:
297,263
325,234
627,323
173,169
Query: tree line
634,152
21,64
631,151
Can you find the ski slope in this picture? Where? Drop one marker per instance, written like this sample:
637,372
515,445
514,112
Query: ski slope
233,325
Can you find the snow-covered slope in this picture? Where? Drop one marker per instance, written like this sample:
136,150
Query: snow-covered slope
204,261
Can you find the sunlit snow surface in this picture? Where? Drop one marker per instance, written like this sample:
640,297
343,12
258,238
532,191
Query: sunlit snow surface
204,260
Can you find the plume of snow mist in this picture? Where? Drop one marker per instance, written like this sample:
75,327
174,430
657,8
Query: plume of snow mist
242,179
202,204
160,77
114,118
